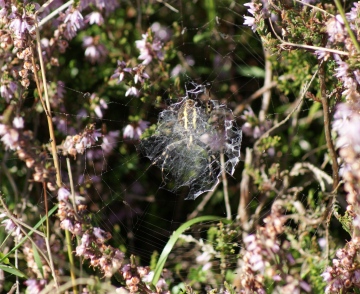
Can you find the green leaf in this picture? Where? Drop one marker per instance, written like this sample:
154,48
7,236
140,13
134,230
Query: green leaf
251,71
40,222
175,236
4,260
38,260
201,36
12,270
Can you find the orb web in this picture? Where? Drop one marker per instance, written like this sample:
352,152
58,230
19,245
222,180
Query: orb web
188,143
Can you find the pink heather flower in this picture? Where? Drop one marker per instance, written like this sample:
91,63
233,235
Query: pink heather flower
7,90
356,277
305,286
9,225
342,69
67,224
107,5
88,140
147,278
98,110
180,69
63,194
10,139
251,8
250,21
60,89
120,71
18,123
177,70
77,229
357,76
335,29
20,24
321,54
322,243
129,132
257,262
132,91
98,104
109,141
249,239
74,21
161,32
140,75
85,240
3,11
94,52
149,50
347,124
134,132
80,250
352,16
94,18
3,129
34,286
99,234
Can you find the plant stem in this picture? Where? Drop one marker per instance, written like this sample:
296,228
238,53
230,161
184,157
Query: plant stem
48,108
71,260
67,233
71,184
225,186
46,211
327,119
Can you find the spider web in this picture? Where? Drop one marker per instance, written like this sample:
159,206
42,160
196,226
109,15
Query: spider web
188,143
131,209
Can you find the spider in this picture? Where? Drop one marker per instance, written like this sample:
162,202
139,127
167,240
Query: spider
184,143
189,139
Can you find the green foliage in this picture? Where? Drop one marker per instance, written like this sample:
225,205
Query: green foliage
346,221
12,270
206,44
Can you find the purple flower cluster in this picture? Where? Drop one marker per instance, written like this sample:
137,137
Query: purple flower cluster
265,257
342,274
94,51
258,13
91,247
149,49
134,131
77,144
347,125
11,228
17,139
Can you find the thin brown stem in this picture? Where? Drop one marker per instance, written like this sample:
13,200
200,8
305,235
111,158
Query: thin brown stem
71,184
327,119
267,94
313,48
48,108
46,211
302,95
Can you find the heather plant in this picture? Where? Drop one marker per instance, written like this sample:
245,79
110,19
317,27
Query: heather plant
113,113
